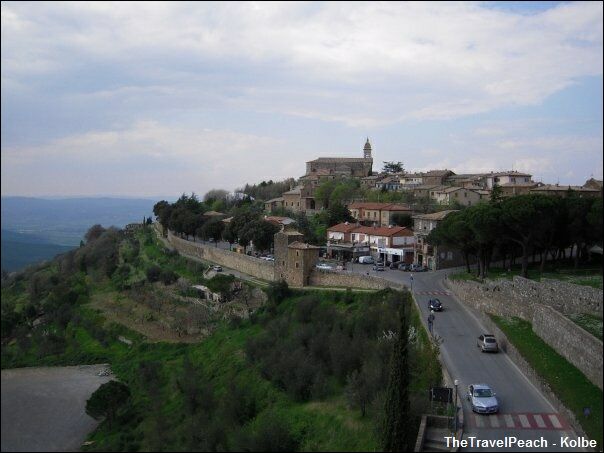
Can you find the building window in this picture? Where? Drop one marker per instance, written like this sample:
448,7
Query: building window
297,265
297,253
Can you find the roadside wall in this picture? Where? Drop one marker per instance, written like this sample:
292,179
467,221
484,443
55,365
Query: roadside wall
572,342
326,278
255,267
520,299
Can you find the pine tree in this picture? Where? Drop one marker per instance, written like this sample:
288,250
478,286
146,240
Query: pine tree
396,435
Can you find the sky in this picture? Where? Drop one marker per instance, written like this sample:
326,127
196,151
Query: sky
158,99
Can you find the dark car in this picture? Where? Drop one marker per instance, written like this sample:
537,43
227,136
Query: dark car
435,305
404,267
378,266
394,265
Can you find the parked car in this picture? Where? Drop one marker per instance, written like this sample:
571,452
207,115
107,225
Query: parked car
378,267
418,268
324,266
435,304
487,343
394,265
404,267
366,259
217,268
482,399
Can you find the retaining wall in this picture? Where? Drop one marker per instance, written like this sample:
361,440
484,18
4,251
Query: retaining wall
255,267
342,279
571,341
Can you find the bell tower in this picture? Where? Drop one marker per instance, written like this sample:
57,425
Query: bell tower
367,150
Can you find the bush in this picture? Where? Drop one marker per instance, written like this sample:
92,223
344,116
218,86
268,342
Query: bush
277,292
168,277
153,273
272,433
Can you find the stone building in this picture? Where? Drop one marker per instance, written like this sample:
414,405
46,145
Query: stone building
294,259
357,167
430,255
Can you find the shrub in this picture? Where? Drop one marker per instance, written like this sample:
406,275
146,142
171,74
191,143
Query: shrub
153,273
168,277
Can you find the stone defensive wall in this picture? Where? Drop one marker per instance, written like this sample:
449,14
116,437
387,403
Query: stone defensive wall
543,304
250,265
571,341
346,280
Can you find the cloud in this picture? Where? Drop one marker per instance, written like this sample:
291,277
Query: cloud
147,158
361,64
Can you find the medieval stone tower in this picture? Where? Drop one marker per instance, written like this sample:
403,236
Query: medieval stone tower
294,259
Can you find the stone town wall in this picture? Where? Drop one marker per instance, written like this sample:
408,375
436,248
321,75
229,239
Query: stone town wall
255,267
342,279
530,301
571,341
564,297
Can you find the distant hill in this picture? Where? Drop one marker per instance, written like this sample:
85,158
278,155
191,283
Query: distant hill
64,221
20,250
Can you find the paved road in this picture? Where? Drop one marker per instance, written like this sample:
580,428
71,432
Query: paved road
524,411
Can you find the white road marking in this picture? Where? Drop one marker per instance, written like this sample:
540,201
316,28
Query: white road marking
494,421
479,421
539,420
554,419
524,421
509,421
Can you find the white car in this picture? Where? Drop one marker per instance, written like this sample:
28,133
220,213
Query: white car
323,266
482,399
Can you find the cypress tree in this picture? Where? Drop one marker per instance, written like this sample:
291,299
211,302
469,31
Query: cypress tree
396,435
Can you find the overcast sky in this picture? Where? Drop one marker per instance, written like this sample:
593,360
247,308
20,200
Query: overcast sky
148,99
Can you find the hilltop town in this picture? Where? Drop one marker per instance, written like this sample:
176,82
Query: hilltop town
346,210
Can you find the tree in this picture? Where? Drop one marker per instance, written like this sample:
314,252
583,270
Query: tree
106,401
260,232
525,218
396,435
496,194
94,232
212,229
338,213
215,195
484,222
402,219
393,167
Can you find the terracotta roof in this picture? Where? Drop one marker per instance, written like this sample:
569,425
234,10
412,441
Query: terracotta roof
295,191
302,245
384,231
274,200
560,188
518,184
507,173
277,220
379,206
437,173
213,213
345,227
435,215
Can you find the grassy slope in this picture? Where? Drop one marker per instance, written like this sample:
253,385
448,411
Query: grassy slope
319,424
566,381
586,275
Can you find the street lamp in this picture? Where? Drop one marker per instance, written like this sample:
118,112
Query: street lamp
456,383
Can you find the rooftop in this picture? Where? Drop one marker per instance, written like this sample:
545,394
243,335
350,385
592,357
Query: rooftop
378,206
435,215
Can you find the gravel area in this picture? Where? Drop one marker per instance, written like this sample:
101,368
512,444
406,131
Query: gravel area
43,409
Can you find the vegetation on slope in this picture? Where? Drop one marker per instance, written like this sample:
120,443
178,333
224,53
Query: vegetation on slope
305,372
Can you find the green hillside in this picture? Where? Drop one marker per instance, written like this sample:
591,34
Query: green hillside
306,371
